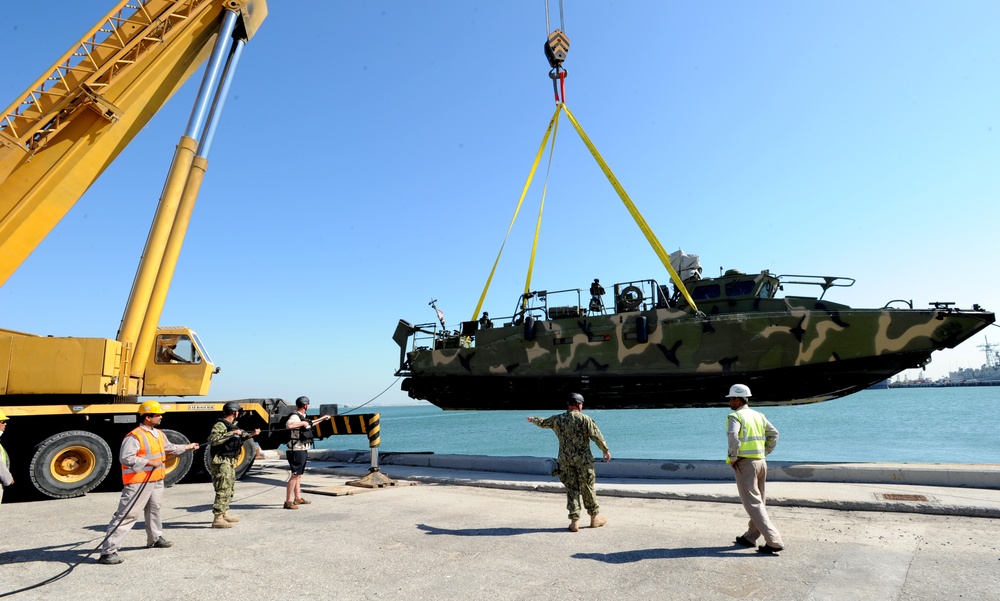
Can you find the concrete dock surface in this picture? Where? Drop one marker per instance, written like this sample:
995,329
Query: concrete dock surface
934,488
468,534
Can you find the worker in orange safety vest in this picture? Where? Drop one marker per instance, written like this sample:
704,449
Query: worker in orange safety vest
142,455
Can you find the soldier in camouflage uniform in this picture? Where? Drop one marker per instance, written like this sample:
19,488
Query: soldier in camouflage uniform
576,463
225,442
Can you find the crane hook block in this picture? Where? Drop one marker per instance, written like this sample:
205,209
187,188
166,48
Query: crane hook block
556,48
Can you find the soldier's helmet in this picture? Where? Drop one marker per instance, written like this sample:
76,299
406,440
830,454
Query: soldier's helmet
302,401
739,391
574,398
230,407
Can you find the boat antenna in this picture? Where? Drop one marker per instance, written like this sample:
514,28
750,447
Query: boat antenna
440,314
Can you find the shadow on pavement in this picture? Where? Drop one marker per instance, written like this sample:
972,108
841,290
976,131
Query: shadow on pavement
644,554
68,554
485,531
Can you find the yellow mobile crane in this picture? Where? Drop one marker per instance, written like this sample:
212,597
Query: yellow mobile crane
73,399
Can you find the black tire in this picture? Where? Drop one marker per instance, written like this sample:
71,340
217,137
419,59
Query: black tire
244,461
70,464
179,465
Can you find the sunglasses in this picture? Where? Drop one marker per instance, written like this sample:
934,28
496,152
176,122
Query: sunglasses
3,421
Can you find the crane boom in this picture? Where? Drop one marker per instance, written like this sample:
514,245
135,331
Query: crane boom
73,399
60,134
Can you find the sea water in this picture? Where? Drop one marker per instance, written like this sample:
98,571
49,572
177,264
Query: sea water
927,425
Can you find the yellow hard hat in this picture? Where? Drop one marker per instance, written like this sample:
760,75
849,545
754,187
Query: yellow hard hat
151,407
2,414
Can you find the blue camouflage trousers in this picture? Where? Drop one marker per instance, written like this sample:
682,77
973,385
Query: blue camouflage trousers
578,478
224,480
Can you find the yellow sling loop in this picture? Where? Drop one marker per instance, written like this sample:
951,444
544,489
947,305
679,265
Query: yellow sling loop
650,236
524,192
538,224
639,220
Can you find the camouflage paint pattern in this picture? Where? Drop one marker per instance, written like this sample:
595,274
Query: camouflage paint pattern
790,350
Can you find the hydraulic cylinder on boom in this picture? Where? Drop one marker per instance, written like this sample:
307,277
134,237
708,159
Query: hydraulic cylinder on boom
73,399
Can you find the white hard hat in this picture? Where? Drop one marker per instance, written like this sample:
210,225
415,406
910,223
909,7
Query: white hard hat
739,390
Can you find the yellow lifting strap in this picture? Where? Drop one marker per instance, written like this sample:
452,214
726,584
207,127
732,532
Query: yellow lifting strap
524,192
639,220
541,206
650,236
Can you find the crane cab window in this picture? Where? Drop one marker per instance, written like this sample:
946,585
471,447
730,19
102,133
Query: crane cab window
176,348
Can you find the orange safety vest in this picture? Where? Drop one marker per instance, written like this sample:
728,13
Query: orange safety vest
150,447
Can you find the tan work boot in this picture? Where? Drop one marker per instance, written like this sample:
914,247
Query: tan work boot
574,526
230,517
220,522
597,521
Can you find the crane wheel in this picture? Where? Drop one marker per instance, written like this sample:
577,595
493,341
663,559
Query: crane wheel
244,460
70,464
179,465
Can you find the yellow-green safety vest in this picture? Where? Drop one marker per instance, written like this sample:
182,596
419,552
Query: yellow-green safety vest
751,434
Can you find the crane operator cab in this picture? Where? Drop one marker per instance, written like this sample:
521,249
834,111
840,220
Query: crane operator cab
180,365
176,349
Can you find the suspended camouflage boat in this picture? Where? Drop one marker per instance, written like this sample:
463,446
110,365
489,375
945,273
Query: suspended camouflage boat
650,349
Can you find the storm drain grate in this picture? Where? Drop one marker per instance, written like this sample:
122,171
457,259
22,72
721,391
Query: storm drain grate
891,496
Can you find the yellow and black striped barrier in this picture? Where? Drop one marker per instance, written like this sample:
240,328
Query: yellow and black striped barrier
360,423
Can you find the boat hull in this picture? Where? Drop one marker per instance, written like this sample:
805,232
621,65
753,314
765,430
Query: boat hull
783,386
789,351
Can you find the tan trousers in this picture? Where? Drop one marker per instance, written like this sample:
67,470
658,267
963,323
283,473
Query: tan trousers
751,475
148,503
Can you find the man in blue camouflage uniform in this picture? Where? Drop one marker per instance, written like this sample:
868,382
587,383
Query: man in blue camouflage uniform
576,463
226,441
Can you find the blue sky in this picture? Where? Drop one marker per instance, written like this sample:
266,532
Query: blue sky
372,153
